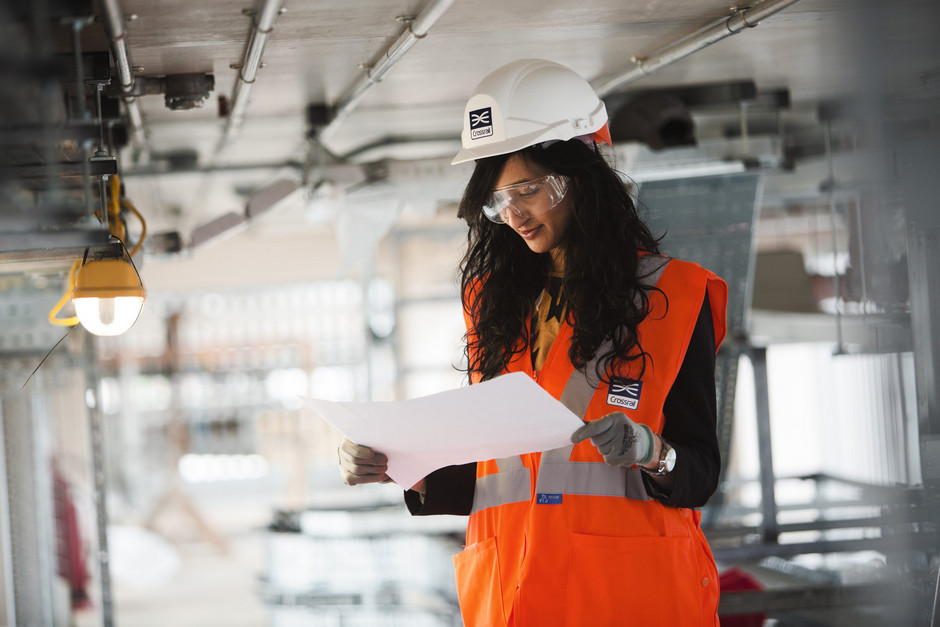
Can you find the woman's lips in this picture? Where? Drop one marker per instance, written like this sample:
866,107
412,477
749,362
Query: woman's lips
529,233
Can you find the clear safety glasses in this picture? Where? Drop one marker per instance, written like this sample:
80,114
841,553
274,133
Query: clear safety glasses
532,198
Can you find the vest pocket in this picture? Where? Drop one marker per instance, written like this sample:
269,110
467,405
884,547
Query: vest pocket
478,585
640,580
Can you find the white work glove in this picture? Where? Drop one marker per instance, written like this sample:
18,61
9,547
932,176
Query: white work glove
621,441
361,464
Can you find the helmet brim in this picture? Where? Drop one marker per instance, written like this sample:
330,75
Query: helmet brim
562,131
497,148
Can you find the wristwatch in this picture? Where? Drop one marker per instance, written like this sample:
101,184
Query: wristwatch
667,460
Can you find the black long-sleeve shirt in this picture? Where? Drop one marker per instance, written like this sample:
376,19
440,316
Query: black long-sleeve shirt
690,412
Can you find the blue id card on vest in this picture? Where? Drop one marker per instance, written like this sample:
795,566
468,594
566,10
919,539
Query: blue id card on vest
548,499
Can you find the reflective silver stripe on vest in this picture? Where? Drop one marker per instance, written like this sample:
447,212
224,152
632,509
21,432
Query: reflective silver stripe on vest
512,484
557,473
506,464
580,387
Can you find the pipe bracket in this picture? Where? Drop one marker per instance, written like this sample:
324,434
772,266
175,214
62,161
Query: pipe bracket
744,21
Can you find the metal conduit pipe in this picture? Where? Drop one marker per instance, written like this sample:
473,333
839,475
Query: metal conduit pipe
114,24
417,30
738,21
136,120
262,25
117,34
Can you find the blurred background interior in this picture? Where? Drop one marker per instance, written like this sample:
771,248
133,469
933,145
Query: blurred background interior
285,194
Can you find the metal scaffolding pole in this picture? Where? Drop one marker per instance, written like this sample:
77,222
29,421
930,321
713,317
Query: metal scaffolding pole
769,529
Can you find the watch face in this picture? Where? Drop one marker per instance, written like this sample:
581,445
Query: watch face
670,459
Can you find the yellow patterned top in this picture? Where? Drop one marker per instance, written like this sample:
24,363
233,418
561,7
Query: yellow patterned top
550,310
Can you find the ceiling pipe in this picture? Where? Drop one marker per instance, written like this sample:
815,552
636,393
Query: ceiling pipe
262,23
738,21
117,34
417,29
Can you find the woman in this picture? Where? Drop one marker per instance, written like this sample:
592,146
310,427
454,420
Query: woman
562,280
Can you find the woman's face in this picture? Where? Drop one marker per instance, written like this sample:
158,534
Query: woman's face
542,233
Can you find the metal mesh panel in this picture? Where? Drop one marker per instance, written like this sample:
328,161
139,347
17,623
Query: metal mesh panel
710,220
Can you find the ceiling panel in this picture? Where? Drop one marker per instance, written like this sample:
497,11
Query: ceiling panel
816,51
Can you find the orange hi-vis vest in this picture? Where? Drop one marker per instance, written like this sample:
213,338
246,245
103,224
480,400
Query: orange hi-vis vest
563,538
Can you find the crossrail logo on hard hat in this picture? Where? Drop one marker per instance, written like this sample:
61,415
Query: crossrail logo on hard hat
624,392
527,103
481,123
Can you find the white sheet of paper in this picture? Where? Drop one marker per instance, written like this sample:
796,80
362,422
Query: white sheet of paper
508,415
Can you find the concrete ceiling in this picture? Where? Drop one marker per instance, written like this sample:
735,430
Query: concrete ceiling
816,52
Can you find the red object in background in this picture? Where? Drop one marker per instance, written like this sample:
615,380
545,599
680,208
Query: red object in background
71,562
734,580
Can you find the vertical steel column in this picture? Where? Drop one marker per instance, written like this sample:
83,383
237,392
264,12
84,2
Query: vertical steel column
935,616
8,604
769,529
726,380
96,436
924,272
29,499
923,257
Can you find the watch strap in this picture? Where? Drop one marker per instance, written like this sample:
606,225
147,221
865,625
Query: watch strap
661,469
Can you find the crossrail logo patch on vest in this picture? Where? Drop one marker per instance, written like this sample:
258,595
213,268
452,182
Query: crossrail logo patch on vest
624,392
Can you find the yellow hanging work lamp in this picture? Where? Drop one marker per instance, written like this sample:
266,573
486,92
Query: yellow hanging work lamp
108,296
107,293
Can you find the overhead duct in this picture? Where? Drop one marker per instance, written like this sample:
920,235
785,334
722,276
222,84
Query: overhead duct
262,25
417,30
662,117
117,34
738,21
659,120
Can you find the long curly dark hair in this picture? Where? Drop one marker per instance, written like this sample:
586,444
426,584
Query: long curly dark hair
501,277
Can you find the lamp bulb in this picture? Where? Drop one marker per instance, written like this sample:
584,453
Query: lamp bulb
108,316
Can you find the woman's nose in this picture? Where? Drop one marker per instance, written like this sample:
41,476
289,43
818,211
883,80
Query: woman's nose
516,218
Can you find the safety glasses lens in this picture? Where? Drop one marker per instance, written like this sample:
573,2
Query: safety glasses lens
532,198
496,207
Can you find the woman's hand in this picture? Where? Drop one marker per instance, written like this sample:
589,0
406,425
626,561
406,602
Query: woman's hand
621,441
361,464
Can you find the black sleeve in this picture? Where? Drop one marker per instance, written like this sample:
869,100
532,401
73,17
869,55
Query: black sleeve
690,413
448,490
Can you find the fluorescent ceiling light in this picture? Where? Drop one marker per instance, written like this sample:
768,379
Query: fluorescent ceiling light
661,172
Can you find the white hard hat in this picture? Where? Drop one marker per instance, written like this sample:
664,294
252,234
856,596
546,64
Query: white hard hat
528,102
